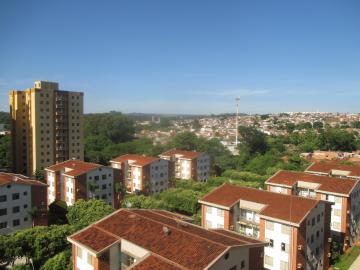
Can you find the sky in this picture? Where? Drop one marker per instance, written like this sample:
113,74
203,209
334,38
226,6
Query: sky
186,56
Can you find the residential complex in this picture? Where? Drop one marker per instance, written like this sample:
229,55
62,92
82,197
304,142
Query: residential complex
297,228
155,239
47,126
19,196
142,174
188,164
336,168
344,194
72,180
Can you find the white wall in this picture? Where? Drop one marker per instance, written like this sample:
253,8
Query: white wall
23,200
81,263
276,252
214,217
235,256
159,178
51,187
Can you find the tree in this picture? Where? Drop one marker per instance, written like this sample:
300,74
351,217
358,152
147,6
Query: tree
185,140
61,261
83,213
5,151
120,190
34,213
39,175
318,125
93,189
252,140
336,139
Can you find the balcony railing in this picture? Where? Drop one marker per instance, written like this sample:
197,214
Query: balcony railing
247,221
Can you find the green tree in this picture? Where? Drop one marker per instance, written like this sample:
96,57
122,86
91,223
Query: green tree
61,261
39,175
252,140
185,140
34,213
83,213
5,151
120,190
336,139
318,125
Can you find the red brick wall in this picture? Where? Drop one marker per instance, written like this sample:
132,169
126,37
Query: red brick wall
80,191
57,186
327,218
103,262
256,258
74,256
39,200
193,166
299,238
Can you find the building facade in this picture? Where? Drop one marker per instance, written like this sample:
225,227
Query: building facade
148,175
19,197
296,228
188,164
47,126
154,239
344,194
72,180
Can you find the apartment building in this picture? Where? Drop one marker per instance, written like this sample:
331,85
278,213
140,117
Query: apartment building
297,228
153,239
142,174
336,168
19,196
47,126
72,180
344,194
188,164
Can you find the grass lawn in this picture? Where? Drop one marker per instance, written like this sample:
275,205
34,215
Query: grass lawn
347,259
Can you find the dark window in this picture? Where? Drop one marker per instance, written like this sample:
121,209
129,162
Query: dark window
15,196
103,196
96,177
25,219
3,198
3,212
16,209
103,176
283,246
103,186
3,225
271,244
25,206
242,264
312,238
16,222
317,251
318,218
313,222
234,267
226,256
25,193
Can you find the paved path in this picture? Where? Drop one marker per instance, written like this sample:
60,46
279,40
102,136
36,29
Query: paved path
356,264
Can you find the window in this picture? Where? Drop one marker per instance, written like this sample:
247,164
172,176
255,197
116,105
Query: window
103,176
103,186
337,212
79,252
208,224
3,225
25,219
268,260
233,268
208,210
15,196
96,178
313,222
284,265
269,225
220,212
271,243
312,238
90,259
16,222
285,247
3,212
242,264
318,218
3,198
16,209
336,225
317,234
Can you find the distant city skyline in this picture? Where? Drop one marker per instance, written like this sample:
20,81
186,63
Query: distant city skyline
186,57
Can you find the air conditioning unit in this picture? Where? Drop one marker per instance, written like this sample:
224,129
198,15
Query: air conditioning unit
299,266
300,247
329,239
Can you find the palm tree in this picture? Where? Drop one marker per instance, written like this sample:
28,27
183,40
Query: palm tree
120,190
34,213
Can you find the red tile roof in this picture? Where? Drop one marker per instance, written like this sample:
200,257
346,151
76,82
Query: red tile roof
327,183
183,153
139,159
12,178
156,263
182,243
77,167
278,206
327,166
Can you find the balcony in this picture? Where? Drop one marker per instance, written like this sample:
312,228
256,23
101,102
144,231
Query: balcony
248,221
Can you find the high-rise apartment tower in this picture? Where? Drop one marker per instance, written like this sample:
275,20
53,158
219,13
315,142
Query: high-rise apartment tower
47,126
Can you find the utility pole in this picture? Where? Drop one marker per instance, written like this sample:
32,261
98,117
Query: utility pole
236,122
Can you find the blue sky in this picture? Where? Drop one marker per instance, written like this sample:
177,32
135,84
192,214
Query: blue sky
186,56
